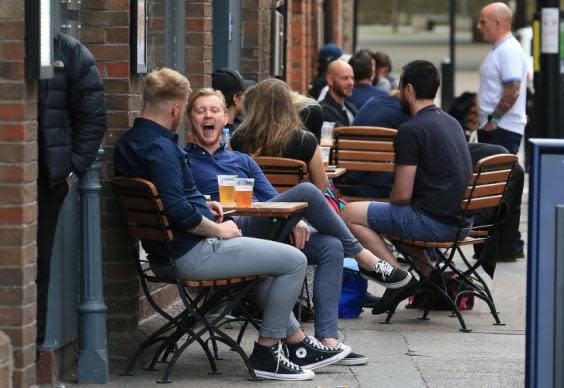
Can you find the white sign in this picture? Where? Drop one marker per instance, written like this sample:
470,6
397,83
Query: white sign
549,30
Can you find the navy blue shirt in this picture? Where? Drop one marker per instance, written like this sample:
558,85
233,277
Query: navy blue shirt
206,168
381,111
149,151
434,141
362,93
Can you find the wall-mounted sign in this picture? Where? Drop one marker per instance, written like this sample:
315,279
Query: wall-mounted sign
138,37
549,30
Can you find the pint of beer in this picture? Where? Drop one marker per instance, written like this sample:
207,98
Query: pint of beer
244,191
226,185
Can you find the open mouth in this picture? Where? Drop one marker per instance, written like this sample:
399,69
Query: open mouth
208,127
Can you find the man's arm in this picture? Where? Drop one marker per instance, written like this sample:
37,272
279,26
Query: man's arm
509,95
88,109
404,179
207,228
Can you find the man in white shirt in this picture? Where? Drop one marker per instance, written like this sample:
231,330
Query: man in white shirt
503,81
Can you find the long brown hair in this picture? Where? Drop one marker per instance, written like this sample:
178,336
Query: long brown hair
270,119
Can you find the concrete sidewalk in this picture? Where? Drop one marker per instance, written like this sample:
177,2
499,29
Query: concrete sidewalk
407,353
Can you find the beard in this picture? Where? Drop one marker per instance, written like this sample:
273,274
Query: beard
405,108
339,91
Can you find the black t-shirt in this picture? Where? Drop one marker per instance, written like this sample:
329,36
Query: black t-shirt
434,142
302,146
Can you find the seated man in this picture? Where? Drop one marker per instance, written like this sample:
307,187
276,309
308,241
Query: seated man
364,71
336,107
432,171
207,248
325,246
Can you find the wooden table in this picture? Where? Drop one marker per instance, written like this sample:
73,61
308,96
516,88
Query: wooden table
268,209
336,172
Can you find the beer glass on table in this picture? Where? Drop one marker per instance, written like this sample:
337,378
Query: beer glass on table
226,185
244,191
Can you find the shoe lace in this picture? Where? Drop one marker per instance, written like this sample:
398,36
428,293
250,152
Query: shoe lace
318,345
282,359
384,268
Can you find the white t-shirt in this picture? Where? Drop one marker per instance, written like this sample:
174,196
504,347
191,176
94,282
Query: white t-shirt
504,63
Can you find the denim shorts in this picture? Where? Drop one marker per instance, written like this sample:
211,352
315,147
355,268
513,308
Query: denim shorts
405,221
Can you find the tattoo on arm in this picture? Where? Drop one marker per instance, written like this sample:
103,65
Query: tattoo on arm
508,98
205,228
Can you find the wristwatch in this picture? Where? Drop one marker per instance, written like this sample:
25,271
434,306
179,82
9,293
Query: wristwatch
493,118
73,177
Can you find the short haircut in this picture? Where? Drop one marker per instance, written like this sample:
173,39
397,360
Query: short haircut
382,60
165,85
424,78
205,92
361,62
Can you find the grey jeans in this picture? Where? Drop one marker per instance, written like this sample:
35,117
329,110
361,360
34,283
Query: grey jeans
213,258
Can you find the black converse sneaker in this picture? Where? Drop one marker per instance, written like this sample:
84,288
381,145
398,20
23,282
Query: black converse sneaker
353,358
387,275
270,362
309,353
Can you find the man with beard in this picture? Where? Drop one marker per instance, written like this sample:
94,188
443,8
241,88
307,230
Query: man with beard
336,107
433,168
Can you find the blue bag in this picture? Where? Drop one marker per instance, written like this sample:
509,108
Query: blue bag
352,292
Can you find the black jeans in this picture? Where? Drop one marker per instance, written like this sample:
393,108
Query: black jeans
50,200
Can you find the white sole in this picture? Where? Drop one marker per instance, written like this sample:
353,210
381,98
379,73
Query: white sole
356,361
306,375
391,286
329,361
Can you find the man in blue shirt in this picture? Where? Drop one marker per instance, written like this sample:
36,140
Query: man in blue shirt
364,70
324,246
205,246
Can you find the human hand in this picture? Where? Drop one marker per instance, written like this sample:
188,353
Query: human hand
300,235
217,210
229,229
489,127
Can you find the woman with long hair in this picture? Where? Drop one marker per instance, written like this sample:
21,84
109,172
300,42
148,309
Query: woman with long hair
272,127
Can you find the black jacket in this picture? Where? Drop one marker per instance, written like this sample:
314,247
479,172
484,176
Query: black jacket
72,112
334,112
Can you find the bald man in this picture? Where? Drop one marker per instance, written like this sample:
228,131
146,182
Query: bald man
336,107
503,81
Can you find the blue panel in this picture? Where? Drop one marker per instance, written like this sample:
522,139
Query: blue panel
546,190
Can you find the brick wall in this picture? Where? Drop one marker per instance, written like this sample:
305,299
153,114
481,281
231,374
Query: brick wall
256,42
6,361
18,207
199,42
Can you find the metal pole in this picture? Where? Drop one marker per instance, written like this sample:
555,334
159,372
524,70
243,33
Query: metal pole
559,299
550,67
93,354
452,39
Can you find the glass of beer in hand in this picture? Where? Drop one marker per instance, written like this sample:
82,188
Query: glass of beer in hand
244,191
226,185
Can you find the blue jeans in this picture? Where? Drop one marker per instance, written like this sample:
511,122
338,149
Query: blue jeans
502,137
405,221
330,241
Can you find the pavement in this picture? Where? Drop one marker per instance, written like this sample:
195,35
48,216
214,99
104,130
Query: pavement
409,352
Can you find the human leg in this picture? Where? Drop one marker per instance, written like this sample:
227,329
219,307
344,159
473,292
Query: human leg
215,258
50,201
325,220
502,137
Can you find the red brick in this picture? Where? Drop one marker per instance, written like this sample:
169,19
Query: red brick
104,18
11,256
17,316
18,193
117,35
18,214
17,296
18,173
117,4
17,235
118,69
11,90
18,152
17,276
11,30
12,51
93,35
24,377
110,52
12,112
12,70
116,85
